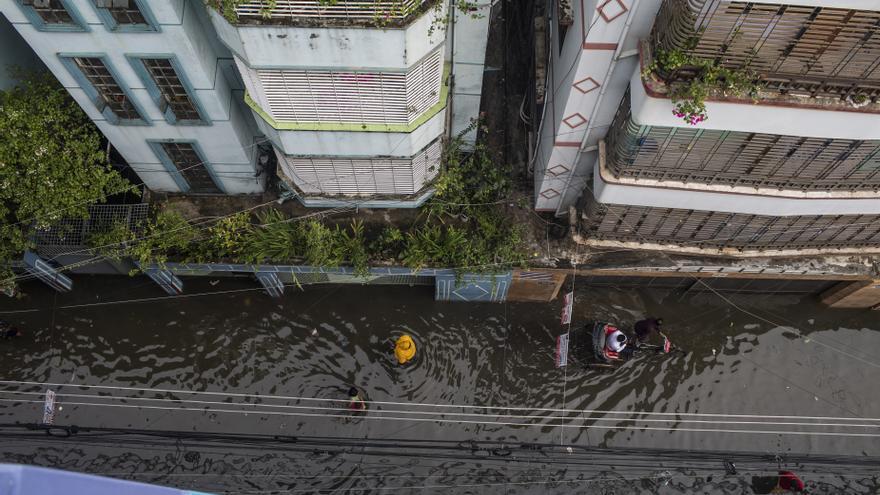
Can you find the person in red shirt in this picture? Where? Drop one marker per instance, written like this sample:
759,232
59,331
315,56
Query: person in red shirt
789,481
355,402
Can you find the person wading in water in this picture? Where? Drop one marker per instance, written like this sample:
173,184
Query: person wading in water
644,328
355,402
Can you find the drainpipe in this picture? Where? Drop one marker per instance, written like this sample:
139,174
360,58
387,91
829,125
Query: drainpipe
450,30
548,88
614,58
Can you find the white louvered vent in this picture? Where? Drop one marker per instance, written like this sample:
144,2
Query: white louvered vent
299,96
364,177
378,10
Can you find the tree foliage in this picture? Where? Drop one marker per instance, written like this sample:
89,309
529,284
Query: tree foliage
51,162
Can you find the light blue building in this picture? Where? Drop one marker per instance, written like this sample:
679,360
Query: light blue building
156,81
355,98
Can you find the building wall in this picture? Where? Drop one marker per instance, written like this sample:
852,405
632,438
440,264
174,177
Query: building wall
703,228
786,173
226,142
14,52
357,110
586,81
739,158
466,51
344,105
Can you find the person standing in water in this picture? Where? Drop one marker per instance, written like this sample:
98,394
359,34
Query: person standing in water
8,331
356,403
644,328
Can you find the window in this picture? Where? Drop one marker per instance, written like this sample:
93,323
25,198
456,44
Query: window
189,164
384,98
170,91
126,15
123,11
52,15
51,11
108,94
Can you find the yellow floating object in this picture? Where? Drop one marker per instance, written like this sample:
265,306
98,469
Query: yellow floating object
405,349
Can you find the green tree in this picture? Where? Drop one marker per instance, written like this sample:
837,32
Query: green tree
51,163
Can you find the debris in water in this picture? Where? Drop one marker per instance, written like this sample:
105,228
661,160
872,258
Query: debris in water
214,282
314,331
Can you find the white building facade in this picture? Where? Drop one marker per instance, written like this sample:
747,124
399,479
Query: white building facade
156,82
790,169
358,97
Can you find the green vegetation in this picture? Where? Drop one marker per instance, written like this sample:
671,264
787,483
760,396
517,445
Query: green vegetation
384,14
52,164
463,226
700,78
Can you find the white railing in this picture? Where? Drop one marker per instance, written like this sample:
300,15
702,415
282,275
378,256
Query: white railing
364,176
378,10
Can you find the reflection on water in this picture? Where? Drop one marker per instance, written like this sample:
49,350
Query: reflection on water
317,343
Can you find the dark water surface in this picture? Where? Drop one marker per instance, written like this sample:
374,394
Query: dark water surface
809,387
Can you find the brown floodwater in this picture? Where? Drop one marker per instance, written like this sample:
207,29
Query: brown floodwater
764,376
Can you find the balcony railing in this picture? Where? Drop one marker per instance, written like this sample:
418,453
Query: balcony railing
713,157
379,11
712,229
797,50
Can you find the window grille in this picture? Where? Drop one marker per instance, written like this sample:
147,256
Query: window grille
732,230
351,97
739,158
174,94
51,11
191,166
809,50
110,93
366,176
125,12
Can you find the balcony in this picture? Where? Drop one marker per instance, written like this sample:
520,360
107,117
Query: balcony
347,177
817,57
753,160
322,13
695,230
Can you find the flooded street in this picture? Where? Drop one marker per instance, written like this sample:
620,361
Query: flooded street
764,374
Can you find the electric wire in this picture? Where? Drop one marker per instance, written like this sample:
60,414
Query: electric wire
256,407
253,396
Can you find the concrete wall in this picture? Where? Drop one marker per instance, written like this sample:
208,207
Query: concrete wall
586,82
279,47
468,46
271,46
228,143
